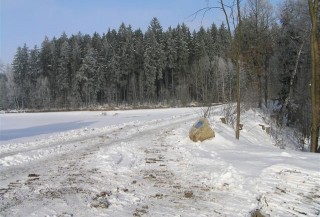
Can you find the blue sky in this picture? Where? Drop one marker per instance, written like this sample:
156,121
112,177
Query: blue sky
29,21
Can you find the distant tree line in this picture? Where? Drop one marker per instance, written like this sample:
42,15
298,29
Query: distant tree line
123,67
176,66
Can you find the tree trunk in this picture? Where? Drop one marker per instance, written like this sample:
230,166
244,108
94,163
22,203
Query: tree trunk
172,84
315,89
259,88
238,72
266,81
235,59
223,86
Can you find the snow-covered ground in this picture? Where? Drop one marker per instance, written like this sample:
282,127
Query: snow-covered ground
142,163
16,127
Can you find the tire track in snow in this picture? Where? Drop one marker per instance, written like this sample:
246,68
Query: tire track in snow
14,154
64,177
283,190
163,190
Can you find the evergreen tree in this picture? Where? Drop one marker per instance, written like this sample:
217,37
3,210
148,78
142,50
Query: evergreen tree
126,60
75,64
34,65
158,50
150,65
137,79
182,47
171,61
154,60
52,73
20,67
223,44
34,74
3,91
86,78
212,43
64,73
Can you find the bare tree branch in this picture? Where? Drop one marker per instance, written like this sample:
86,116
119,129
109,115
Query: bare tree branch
204,10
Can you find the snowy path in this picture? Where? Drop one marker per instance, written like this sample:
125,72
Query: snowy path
31,176
151,168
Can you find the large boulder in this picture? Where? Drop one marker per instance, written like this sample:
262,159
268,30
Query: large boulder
201,131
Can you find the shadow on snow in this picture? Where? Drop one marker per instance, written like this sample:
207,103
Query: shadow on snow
44,129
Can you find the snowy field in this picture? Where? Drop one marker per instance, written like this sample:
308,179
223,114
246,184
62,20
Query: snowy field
142,163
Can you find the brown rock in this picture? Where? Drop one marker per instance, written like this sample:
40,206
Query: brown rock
201,131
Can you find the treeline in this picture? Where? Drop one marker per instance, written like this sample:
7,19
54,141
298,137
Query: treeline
123,66
173,66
